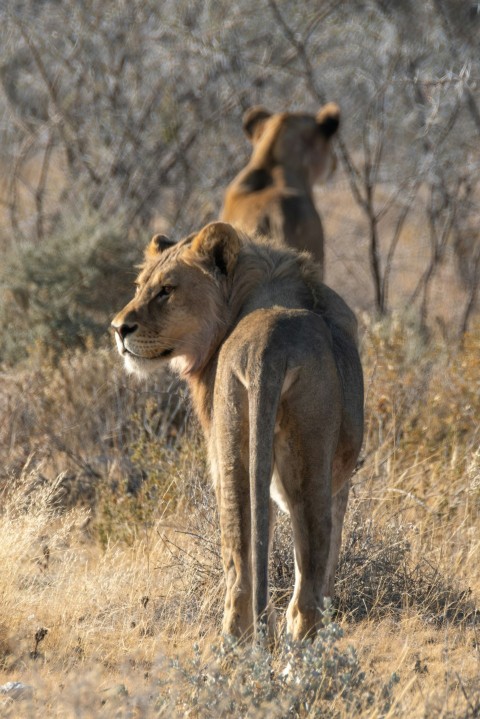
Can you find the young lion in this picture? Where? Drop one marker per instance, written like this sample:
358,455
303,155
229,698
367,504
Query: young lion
270,355
273,194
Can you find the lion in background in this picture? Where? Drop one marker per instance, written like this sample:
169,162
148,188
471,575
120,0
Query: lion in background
270,356
273,194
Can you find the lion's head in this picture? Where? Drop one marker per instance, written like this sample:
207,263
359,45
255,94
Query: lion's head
298,141
180,306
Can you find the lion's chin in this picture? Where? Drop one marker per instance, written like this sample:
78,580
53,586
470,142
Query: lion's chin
141,366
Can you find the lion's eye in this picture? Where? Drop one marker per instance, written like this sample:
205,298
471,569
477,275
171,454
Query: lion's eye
164,291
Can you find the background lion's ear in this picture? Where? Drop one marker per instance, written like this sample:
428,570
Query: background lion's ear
219,243
328,119
254,122
157,244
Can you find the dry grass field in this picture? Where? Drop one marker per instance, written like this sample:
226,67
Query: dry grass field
110,544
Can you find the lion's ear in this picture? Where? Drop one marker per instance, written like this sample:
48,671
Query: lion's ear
219,243
328,119
157,244
254,122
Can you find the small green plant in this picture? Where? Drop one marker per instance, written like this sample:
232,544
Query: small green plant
302,679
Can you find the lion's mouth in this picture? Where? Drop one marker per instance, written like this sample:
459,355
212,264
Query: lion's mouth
126,351
163,355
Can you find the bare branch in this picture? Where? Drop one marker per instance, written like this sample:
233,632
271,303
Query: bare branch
318,94
42,183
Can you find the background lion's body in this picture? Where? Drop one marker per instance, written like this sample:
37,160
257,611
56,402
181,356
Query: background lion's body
278,391
273,194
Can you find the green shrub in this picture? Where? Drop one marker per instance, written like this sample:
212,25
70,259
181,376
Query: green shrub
58,293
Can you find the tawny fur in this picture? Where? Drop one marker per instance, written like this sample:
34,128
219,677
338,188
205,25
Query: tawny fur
270,356
273,194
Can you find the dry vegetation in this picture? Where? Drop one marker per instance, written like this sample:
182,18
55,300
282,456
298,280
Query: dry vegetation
117,555
110,581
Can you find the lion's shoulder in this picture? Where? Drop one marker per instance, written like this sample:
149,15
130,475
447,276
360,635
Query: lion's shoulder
269,274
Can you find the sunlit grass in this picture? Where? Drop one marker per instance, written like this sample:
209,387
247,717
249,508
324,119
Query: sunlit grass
110,542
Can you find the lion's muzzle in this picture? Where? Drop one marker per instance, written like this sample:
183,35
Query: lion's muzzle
122,331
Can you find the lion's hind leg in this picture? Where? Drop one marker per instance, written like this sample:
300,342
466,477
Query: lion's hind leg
306,481
305,447
339,507
236,553
233,496
311,540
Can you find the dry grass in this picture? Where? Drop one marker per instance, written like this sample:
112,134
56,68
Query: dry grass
123,569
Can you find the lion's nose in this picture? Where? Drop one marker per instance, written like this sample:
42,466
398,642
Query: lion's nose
124,329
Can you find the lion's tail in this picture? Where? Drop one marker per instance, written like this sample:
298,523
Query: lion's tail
264,399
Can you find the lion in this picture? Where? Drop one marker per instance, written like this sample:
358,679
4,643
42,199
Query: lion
273,194
270,356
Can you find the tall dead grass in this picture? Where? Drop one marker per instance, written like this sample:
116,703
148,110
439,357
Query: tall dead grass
110,543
